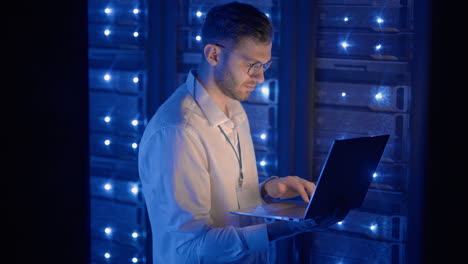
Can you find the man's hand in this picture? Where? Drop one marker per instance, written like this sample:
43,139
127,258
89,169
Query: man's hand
288,187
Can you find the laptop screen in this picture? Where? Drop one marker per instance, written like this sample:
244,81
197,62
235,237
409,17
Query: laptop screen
346,174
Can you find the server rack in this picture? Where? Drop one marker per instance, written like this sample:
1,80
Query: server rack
118,79
363,86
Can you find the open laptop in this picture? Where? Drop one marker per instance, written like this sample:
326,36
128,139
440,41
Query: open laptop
343,182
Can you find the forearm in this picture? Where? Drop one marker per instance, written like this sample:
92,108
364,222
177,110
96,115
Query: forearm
228,243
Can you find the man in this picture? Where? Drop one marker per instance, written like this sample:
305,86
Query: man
197,160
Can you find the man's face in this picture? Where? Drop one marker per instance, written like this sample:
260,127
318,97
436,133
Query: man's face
231,74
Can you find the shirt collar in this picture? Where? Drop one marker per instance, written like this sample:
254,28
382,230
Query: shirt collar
212,112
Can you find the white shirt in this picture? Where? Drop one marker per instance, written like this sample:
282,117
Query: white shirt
190,175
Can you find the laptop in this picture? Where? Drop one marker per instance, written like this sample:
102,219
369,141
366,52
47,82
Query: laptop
343,182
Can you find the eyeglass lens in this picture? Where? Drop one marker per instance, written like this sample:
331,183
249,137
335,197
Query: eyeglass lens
256,67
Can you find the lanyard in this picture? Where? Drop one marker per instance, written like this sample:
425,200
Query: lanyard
238,156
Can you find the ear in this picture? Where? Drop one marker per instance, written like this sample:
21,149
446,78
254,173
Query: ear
212,54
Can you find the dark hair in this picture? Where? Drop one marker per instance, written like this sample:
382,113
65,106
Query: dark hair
234,21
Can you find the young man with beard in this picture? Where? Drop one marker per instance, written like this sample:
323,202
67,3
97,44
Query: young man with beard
197,160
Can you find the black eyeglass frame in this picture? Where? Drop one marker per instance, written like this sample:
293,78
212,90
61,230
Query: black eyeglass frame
257,65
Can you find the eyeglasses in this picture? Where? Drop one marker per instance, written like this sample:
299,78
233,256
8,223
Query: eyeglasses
253,67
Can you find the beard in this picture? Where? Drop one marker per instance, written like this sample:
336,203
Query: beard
224,79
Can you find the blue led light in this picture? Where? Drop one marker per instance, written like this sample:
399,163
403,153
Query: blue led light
107,187
136,11
378,96
267,14
343,94
134,122
345,19
107,32
107,142
107,255
107,119
134,145
263,163
263,136
136,79
378,47
136,34
107,77
108,11
134,189
375,175
379,20
135,235
344,44
340,222
265,90
108,230
134,260
373,227
198,38
198,13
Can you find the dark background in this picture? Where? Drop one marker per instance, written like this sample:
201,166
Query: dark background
48,203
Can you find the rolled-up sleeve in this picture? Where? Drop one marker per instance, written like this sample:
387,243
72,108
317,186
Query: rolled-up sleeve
174,172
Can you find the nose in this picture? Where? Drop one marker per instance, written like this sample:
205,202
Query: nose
259,76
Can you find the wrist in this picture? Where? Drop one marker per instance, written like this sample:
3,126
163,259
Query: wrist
263,190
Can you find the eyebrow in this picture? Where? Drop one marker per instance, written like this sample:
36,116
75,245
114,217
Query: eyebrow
243,57
255,61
